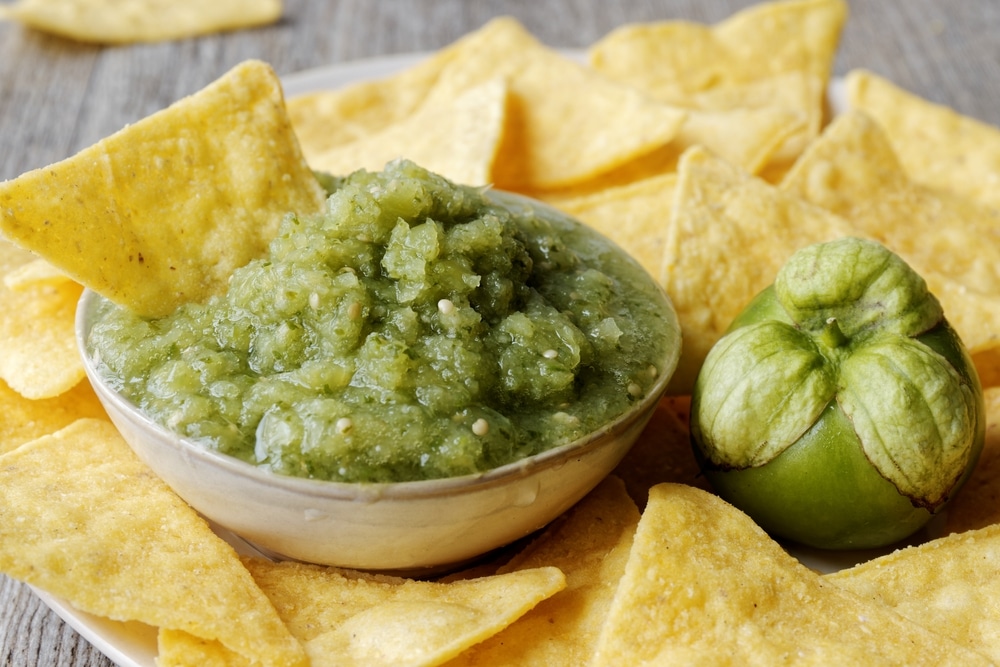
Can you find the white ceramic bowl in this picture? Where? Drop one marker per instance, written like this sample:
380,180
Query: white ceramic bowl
403,527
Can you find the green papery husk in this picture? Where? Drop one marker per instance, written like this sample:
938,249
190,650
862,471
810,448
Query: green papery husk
847,324
913,414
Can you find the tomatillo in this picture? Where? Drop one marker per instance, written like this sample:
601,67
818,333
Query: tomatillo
840,410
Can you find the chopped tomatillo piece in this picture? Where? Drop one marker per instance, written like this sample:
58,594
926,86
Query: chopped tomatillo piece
840,410
415,329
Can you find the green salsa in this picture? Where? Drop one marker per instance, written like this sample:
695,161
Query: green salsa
414,330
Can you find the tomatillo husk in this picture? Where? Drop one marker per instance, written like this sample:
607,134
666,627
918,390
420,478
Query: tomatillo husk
840,410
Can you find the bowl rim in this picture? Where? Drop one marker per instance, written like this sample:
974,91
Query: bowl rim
415,489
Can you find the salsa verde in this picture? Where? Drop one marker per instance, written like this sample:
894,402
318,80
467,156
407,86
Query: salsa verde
416,329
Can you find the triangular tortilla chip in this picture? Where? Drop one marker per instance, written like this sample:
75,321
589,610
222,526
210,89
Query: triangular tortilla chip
775,55
325,119
39,359
705,585
23,420
746,137
798,92
950,585
161,212
458,140
853,171
634,216
34,273
939,147
83,519
349,619
728,235
118,21
590,544
672,60
566,123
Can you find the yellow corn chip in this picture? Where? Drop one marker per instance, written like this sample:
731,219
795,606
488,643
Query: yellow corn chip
663,452
796,92
974,315
23,420
121,21
950,585
346,618
977,504
176,648
746,137
328,118
82,518
161,212
705,585
728,235
39,359
590,544
671,60
565,122
938,147
34,273
775,55
458,140
634,216
853,171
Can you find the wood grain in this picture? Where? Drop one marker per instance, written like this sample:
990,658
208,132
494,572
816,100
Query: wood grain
57,97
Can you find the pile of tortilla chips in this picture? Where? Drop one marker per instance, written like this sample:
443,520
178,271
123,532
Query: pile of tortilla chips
705,151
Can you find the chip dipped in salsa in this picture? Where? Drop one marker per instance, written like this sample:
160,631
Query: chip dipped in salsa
415,329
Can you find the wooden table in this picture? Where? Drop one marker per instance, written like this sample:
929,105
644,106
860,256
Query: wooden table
57,97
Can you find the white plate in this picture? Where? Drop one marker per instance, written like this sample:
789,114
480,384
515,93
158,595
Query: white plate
134,644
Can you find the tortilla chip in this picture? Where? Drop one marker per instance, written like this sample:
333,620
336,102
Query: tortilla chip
728,235
123,21
795,92
458,140
176,648
745,137
705,585
590,544
748,138
977,504
950,585
565,122
853,171
36,272
663,452
673,60
328,118
161,212
347,618
82,518
938,147
974,315
634,216
23,420
39,358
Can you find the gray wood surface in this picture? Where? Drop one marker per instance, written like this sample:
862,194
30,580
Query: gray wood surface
57,97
